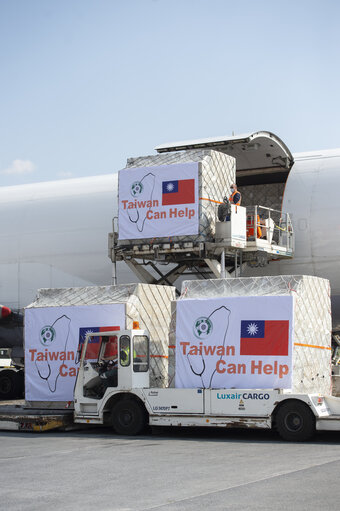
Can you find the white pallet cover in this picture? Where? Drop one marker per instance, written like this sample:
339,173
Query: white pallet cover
217,172
312,321
149,304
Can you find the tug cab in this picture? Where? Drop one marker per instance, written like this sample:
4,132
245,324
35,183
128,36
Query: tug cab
121,364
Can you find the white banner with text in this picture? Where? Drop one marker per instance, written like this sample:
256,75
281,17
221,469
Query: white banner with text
53,340
241,342
157,202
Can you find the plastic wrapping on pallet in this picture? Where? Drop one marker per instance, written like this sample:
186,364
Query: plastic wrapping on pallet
176,194
58,320
310,338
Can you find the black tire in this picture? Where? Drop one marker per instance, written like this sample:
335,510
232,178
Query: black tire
128,417
20,381
295,422
8,384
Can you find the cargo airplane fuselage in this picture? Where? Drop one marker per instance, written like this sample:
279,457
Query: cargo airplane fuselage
54,234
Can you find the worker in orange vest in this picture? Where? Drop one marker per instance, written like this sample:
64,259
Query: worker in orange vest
235,197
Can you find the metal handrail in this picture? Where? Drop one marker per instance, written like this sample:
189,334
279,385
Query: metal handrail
277,226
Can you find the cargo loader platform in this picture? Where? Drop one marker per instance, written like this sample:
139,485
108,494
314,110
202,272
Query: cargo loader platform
169,203
263,236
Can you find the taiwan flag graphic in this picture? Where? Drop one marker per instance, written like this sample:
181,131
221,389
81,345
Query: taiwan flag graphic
178,192
264,338
94,343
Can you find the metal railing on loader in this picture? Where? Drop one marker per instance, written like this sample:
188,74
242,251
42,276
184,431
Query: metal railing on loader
269,236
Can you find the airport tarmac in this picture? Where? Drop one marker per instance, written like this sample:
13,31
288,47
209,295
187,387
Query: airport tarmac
168,470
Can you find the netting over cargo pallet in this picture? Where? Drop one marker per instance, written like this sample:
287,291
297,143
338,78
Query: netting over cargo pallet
311,335
216,172
148,304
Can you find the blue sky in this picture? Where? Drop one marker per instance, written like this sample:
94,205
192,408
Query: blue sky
85,84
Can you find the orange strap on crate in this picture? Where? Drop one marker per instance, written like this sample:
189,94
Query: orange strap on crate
211,200
312,346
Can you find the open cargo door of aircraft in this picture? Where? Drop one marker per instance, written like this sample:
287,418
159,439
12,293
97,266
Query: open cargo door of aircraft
261,157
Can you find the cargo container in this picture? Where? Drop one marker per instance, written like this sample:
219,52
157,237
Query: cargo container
250,353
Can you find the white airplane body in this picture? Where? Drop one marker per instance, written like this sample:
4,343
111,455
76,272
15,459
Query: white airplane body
54,234
312,195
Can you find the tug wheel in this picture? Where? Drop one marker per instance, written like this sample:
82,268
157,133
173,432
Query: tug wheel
295,421
10,384
128,417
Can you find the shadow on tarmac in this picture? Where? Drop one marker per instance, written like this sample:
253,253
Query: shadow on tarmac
188,434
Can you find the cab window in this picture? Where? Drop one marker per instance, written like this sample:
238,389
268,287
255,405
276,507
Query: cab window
111,348
124,352
140,353
92,350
